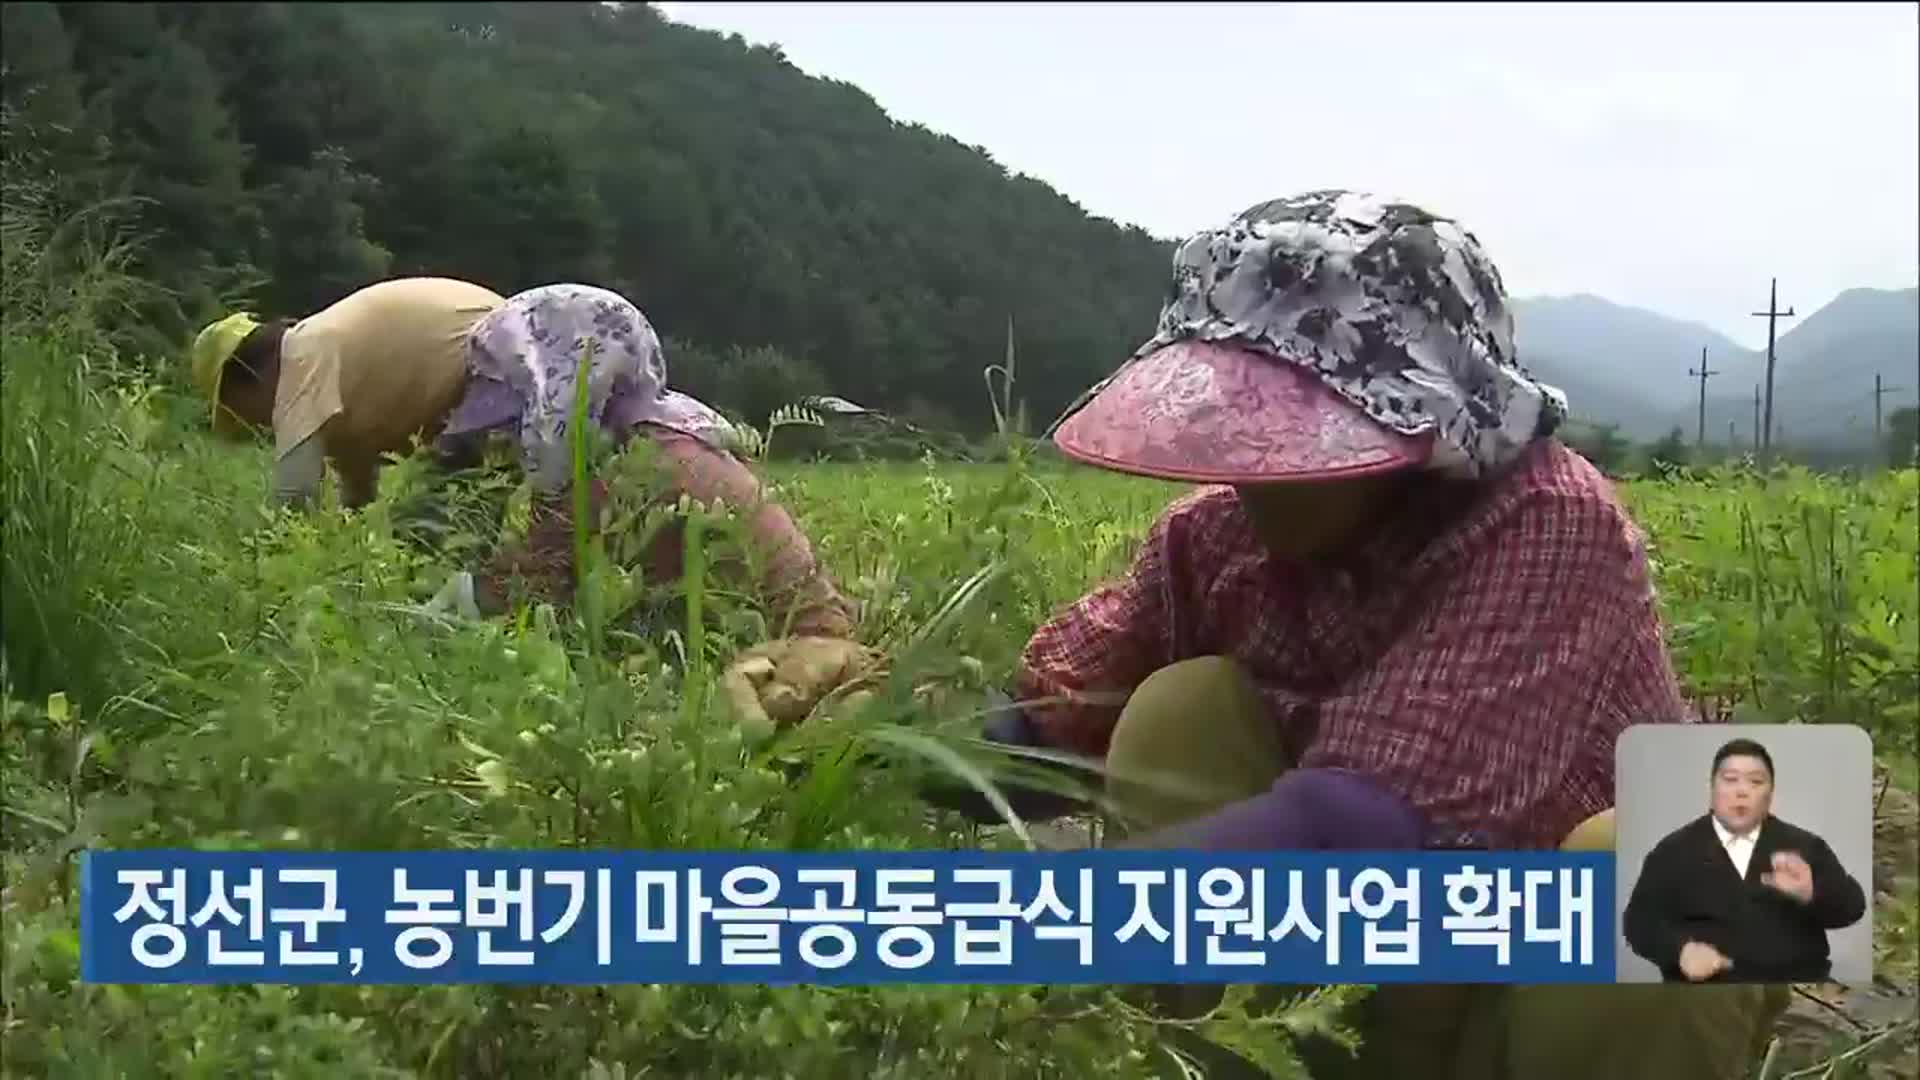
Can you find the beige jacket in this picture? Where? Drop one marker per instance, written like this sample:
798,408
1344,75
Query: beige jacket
367,375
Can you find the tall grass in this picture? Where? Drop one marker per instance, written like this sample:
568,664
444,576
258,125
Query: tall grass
72,502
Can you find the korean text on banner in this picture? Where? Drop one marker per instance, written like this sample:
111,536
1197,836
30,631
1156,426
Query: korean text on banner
845,918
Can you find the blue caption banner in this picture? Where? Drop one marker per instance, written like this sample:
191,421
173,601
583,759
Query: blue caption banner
827,918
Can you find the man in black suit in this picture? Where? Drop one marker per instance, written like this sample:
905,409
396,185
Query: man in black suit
1738,895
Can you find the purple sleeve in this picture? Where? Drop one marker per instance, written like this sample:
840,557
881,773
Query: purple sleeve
1306,809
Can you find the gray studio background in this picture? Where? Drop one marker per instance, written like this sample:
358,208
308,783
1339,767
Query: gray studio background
1823,783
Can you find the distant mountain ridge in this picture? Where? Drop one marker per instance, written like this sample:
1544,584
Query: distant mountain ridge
1624,365
1640,345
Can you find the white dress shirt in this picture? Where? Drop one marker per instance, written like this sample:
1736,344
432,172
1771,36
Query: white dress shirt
1739,846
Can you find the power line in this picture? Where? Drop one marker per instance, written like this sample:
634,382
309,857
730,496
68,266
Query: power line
1700,433
1772,315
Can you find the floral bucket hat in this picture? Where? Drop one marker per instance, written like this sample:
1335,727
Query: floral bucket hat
524,367
1327,335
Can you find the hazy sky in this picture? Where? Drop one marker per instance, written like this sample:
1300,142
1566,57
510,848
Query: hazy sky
1671,157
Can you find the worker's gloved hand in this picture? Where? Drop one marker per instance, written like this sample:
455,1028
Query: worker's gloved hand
776,684
1007,725
456,597
1304,810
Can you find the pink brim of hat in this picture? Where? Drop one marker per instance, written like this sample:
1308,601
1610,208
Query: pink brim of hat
1212,413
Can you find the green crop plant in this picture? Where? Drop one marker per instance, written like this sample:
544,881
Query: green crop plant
183,667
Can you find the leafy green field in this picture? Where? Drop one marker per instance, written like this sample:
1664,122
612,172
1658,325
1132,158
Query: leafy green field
185,669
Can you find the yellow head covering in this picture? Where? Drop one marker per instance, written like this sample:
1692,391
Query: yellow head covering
213,348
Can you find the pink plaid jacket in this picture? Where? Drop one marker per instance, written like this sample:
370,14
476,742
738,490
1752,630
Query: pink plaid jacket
1479,655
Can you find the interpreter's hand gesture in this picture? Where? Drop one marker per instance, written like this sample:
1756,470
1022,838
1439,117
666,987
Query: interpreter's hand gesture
1791,876
1700,961
776,684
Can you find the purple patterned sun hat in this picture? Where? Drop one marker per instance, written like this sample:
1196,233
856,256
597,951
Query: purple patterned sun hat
1326,335
523,370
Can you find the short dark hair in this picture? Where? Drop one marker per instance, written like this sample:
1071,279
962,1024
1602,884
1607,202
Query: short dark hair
256,351
1743,748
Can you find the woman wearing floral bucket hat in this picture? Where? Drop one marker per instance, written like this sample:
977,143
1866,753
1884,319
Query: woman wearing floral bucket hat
524,367
1398,614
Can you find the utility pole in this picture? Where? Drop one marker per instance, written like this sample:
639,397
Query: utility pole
1878,392
1772,315
1731,438
1700,431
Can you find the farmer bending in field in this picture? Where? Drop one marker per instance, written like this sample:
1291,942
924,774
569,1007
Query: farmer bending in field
1400,615
522,380
358,380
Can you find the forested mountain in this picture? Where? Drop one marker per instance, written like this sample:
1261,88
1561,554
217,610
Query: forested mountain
782,232
1627,358
1628,367
1825,364
288,153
